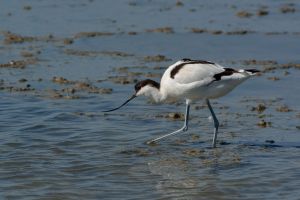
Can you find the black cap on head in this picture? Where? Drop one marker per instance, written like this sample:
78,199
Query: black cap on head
143,83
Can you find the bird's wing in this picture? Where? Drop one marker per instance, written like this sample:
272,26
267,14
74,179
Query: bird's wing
195,71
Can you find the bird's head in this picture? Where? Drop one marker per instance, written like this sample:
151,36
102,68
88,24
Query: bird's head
148,88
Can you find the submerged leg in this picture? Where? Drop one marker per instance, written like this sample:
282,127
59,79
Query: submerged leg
184,128
216,123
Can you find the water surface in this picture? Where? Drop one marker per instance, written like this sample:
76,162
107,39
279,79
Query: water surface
55,142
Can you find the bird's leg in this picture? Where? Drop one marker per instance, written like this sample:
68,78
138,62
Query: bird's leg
216,123
184,128
186,118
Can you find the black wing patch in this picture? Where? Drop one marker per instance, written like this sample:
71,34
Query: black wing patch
187,61
252,70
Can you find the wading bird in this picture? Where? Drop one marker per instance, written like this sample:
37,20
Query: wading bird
192,80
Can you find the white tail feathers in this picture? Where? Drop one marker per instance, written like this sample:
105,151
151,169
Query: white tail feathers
249,71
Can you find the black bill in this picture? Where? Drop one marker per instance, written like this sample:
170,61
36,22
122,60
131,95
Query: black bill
133,96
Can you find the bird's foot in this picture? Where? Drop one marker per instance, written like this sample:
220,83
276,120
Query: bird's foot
185,128
151,143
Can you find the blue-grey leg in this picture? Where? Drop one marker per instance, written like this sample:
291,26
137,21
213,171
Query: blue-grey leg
183,129
216,123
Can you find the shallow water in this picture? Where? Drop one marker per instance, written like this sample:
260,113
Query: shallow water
55,142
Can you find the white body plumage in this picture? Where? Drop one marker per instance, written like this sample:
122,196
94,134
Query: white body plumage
195,80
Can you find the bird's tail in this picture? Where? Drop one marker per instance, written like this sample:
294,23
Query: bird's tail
249,72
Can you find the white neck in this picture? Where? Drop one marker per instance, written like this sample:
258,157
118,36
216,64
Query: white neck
156,94
153,93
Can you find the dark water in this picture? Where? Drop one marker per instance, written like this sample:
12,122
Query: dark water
64,147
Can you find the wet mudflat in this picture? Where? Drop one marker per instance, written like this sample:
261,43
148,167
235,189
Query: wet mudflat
57,73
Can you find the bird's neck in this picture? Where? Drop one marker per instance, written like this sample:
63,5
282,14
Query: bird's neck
156,94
